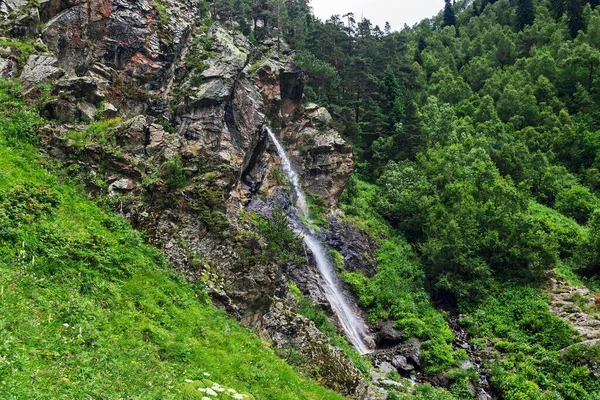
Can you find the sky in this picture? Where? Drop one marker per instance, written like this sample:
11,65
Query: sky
397,12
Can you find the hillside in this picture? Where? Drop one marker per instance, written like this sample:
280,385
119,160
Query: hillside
88,310
223,194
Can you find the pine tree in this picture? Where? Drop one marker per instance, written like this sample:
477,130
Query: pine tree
449,17
557,8
575,16
525,13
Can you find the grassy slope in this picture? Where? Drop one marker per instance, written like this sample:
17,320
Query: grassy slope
87,310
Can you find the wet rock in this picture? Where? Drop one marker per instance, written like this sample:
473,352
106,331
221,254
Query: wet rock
41,68
292,87
331,365
404,357
355,246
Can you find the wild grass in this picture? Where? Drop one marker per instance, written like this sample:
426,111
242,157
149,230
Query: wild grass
88,310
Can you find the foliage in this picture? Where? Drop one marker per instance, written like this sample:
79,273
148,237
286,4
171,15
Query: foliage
173,174
397,291
89,311
282,243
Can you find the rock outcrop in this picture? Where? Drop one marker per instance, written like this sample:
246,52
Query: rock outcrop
569,303
295,336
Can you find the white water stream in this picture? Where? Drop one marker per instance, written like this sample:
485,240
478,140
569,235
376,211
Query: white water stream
353,325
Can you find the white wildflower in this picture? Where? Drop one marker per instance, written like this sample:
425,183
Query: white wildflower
238,396
231,391
66,325
189,380
217,388
206,398
202,390
211,392
206,374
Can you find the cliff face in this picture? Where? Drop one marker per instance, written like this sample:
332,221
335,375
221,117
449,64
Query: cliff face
177,142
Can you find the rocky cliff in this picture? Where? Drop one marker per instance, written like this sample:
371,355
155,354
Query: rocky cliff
162,114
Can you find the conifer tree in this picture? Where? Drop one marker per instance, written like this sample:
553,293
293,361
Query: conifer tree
449,17
575,16
525,13
557,8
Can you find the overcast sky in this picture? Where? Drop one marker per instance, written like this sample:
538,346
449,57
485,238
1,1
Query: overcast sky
397,12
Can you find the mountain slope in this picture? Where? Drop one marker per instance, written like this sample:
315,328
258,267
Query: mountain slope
87,310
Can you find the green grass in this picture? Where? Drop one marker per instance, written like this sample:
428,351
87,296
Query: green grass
87,310
97,132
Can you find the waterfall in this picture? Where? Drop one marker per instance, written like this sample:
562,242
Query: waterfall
354,326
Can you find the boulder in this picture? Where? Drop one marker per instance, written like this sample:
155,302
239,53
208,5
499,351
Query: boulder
402,364
292,332
387,335
63,111
80,88
404,357
41,68
120,186
109,111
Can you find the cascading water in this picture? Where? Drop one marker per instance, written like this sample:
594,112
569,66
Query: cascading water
353,325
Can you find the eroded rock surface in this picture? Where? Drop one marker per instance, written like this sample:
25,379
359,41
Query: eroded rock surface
295,335
569,303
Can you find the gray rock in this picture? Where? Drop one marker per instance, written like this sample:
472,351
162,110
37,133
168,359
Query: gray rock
109,110
357,249
8,6
81,88
8,67
88,110
121,185
388,334
402,364
331,365
156,139
63,111
405,357
41,68
386,367
389,382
